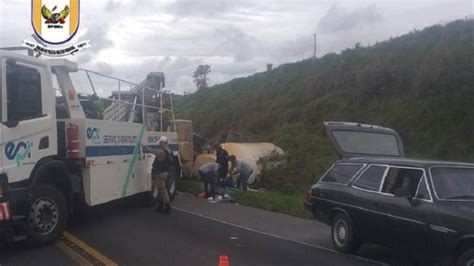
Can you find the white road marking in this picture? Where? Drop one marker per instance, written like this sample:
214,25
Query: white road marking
279,237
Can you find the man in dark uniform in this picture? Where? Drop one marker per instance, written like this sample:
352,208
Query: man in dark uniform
222,159
160,172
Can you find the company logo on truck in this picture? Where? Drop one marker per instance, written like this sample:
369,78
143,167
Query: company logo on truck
18,152
93,134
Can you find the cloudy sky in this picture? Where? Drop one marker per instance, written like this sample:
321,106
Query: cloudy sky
236,37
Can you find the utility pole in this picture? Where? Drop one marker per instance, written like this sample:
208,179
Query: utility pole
314,56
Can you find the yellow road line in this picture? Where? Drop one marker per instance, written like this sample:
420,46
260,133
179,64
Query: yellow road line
73,254
89,250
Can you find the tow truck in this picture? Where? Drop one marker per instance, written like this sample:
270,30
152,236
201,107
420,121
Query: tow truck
60,149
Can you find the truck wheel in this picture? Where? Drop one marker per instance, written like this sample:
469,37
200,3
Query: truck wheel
47,215
343,237
467,258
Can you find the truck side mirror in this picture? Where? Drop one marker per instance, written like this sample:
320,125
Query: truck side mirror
11,123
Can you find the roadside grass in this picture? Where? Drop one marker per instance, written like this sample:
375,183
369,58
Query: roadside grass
192,186
287,203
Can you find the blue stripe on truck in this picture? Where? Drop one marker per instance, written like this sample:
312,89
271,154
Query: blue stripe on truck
95,151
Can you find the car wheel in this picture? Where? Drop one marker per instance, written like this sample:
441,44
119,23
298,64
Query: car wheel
47,215
344,238
467,258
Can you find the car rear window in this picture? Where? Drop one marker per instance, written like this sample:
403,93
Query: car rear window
367,143
371,178
341,173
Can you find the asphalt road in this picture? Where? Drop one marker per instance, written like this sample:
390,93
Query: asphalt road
126,234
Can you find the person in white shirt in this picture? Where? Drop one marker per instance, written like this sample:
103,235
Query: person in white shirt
243,169
209,173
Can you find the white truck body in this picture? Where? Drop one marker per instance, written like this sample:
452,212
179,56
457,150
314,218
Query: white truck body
108,164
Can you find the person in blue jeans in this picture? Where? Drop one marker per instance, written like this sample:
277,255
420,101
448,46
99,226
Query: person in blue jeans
243,169
209,173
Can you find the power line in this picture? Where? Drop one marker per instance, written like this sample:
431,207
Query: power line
314,56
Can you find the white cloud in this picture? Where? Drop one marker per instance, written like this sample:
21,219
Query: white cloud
339,19
237,38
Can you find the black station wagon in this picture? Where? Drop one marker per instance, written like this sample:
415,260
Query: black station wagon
374,194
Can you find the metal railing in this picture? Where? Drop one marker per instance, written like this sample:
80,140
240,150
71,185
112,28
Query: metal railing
134,89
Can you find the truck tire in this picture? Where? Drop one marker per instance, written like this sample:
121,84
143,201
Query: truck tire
343,236
47,215
467,258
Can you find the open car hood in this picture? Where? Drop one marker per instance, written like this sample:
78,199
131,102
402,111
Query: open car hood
360,140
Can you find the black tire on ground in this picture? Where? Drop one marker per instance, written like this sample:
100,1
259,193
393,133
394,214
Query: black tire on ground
47,215
466,258
343,235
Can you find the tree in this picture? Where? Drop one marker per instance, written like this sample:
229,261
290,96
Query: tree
200,76
269,67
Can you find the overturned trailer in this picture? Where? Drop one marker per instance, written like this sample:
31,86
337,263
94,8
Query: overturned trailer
261,156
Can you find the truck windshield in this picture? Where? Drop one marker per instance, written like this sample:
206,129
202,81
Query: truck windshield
453,183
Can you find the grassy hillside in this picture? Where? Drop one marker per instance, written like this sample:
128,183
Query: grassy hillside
421,84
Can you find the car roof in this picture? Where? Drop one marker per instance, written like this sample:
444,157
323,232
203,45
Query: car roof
407,162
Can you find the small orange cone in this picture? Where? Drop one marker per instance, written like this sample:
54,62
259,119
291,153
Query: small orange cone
223,261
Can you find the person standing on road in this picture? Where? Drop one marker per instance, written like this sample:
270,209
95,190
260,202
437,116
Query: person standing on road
160,172
243,169
209,173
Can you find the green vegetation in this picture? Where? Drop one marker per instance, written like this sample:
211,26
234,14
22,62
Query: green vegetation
189,185
421,84
291,203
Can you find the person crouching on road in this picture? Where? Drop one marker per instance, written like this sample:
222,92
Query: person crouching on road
243,169
160,172
209,173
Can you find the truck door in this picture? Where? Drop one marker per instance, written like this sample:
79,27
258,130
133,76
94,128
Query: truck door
28,116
